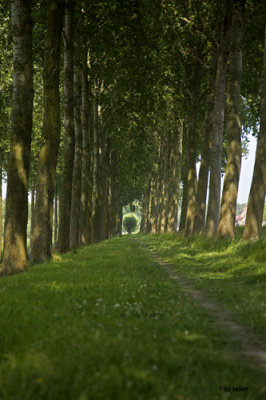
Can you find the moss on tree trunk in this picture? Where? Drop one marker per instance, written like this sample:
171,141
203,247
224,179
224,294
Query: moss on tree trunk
15,246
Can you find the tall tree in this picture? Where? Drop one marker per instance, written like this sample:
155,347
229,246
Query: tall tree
66,185
86,184
216,135
95,169
15,246
76,184
192,148
45,185
201,197
233,125
257,194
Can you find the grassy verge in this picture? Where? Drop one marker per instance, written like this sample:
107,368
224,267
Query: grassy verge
106,322
233,271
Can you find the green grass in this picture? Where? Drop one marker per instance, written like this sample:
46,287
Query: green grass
106,322
232,271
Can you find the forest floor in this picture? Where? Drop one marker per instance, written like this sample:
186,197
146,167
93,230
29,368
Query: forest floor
115,321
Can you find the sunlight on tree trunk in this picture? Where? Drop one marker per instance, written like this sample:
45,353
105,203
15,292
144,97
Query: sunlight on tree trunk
15,237
233,126
217,133
256,199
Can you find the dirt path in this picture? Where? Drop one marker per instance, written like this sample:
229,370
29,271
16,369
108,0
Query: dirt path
247,344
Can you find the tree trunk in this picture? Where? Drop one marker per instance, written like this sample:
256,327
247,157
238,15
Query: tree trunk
1,203
69,150
175,175
192,174
15,239
108,190
233,126
200,208
32,209
216,135
102,204
43,226
160,198
86,185
116,206
156,195
192,139
256,198
56,215
153,195
95,190
145,210
165,187
76,184
185,186
201,197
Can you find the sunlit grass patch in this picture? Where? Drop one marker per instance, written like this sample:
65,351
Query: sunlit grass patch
234,271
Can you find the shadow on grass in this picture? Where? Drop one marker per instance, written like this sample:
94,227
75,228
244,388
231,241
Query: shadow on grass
104,323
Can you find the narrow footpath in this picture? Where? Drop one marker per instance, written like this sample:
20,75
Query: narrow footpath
247,343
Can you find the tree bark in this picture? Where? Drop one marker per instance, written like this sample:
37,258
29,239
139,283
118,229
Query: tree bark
175,175
192,175
116,205
165,186
153,195
108,191
43,227
185,186
1,203
102,203
86,184
145,210
56,214
233,126
76,184
257,194
95,171
69,150
192,139
15,239
200,208
159,200
32,209
216,135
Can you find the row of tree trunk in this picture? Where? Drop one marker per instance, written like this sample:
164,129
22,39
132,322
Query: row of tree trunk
90,206
221,214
